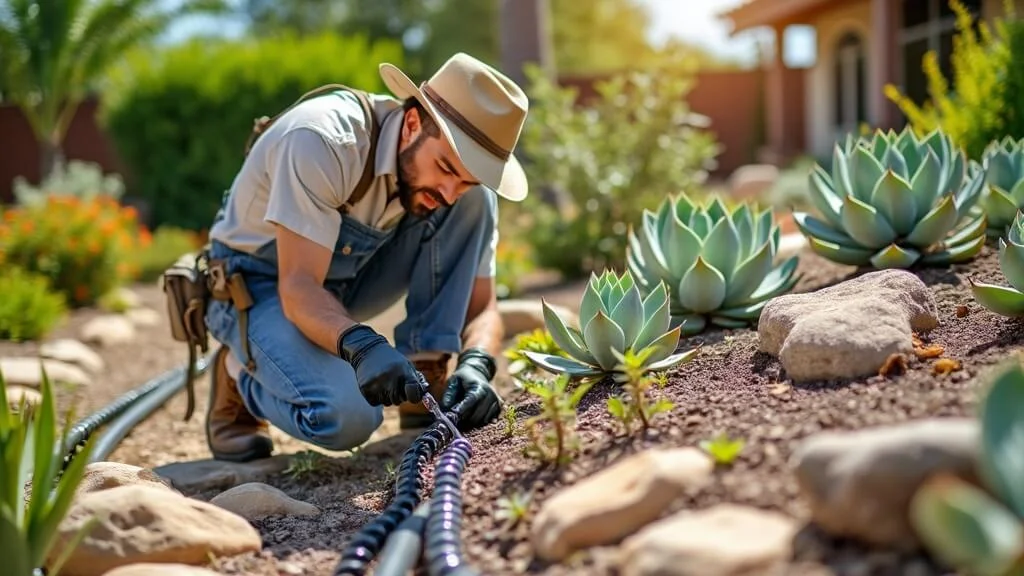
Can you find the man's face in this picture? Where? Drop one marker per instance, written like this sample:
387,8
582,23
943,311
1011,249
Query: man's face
430,175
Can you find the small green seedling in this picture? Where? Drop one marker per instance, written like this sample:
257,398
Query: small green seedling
29,530
539,340
511,426
722,449
635,405
980,530
552,433
514,508
303,463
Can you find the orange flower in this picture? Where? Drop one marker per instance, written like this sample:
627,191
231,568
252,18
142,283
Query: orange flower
81,293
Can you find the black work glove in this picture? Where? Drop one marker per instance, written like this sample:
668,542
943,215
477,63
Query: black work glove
384,376
469,393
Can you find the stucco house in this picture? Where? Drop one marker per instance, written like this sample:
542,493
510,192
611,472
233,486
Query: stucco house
860,46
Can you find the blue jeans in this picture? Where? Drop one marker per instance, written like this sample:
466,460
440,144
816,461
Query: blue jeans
312,394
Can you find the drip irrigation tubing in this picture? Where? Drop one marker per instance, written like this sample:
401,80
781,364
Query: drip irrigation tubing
125,412
397,534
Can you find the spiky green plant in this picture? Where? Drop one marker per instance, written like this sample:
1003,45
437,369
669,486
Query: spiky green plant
1004,172
980,530
1008,301
895,200
614,319
719,265
30,448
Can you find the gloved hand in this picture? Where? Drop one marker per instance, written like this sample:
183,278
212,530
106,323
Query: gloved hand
469,393
384,376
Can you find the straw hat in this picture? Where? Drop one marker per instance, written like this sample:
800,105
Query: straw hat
480,111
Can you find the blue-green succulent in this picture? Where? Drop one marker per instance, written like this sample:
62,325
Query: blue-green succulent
1004,172
1008,301
614,319
719,264
895,200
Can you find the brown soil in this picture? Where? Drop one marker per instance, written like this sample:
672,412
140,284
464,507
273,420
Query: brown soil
729,387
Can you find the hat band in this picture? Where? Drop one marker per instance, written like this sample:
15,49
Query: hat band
465,125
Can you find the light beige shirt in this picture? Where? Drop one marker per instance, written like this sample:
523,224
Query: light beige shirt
307,164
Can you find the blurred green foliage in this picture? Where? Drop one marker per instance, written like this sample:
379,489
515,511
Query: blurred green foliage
984,100
596,165
180,116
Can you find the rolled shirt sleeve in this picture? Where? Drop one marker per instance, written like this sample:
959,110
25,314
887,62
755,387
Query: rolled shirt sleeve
309,183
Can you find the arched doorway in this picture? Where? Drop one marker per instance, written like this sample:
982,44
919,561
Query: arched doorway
849,85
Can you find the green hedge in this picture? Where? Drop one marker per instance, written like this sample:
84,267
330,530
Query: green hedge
180,117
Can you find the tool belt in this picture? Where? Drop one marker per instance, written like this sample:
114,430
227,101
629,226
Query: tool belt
189,285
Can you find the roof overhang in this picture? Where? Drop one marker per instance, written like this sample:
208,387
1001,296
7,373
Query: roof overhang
757,13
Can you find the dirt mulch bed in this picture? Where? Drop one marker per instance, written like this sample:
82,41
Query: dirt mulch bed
729,387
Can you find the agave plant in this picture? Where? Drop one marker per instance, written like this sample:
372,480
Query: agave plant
614,319
895,200
1004,173
979,530
1008,301
29,530
719,265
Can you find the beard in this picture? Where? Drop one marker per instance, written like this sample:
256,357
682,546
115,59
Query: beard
408,191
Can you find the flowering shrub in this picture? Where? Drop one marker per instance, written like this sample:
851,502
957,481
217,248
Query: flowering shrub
80,246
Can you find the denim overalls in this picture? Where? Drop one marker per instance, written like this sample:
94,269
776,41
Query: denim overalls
312,394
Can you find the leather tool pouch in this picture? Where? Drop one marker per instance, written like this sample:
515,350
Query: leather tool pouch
187,291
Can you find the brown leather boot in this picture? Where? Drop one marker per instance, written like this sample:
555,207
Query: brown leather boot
416,415
232,433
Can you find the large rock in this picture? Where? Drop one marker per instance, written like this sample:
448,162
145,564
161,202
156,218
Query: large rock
255,500
724,540
859,484
140,523
847,330
73,352
520,316
27,371
106,475
615,502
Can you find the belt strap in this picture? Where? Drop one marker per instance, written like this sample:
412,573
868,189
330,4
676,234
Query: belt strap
232,288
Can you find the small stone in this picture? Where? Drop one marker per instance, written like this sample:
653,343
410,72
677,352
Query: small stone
723,540
73,352
27,371
143,317
519,316
143,523
255,500
202,475
289,568
616,501
15,395
109,330
859,484
152,569
847,330
106,475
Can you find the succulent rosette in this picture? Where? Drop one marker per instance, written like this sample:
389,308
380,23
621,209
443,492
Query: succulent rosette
1004,174
1008,301
894,200
614,319
719,264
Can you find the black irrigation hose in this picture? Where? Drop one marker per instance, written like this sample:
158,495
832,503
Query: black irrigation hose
82,430
369,541
401,554
171,383
444,524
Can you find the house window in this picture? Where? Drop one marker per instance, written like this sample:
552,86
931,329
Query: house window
849,83
928,25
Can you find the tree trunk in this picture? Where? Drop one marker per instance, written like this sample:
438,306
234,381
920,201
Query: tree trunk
51,155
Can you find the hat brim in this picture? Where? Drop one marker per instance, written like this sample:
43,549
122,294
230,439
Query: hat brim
506,178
